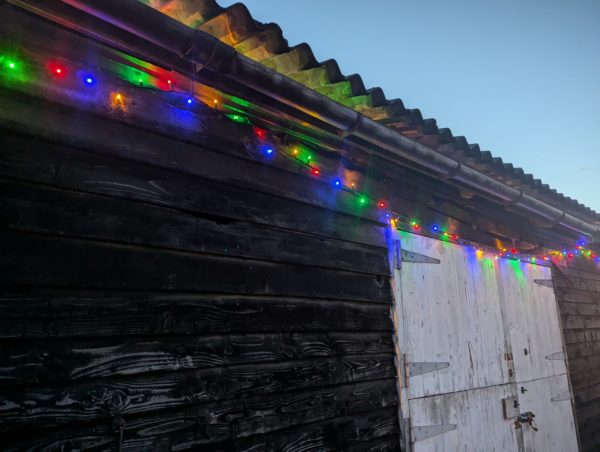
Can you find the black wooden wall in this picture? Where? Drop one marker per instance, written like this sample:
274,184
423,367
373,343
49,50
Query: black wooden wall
577,288
192,310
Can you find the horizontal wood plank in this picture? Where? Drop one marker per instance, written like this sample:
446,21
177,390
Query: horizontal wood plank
574,295
34,362
45,313
235,159
199,426
100,399
36,260
337,434
44,209
40,161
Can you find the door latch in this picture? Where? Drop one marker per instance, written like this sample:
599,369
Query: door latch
526,418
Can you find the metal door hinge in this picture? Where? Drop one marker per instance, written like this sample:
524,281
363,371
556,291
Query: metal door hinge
402,255
556,356
412,369
421,432
420,368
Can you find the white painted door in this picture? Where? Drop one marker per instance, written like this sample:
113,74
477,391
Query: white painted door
473,331
533,329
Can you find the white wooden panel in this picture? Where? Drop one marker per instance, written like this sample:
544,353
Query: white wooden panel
532,318
554,419
478,416
451,313
474,313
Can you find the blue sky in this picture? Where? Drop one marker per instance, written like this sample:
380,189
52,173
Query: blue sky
521,78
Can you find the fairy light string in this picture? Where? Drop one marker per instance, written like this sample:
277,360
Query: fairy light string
302,155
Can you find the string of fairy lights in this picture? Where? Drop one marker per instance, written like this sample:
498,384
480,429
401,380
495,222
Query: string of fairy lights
301,154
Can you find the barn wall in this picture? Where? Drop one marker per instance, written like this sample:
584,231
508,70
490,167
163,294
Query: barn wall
577,286
196,311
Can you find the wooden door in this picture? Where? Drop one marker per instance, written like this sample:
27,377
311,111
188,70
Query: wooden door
463,324
533,328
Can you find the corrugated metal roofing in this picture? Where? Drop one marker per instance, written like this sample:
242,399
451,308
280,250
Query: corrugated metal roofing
265,43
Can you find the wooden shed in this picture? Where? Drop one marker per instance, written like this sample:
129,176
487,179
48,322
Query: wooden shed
212,241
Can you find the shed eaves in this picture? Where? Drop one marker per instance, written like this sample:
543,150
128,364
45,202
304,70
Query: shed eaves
265,43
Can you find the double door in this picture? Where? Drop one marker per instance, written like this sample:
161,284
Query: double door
481,352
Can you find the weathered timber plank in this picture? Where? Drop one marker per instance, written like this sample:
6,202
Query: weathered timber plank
27,362
589,431
44,209
592,271
586,394
584,364
578,263
77,127
589,410
336,434
580,309
65,167
576,336
578,283
226,421
33,313
574,295
100,399
385,444
35,260
571,322
583,349
585,378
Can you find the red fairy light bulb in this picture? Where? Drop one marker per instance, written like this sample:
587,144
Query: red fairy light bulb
514,251
57,70
570,255
315,171
261,134
381,204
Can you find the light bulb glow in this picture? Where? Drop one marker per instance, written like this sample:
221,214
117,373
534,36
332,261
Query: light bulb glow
261,134
89,80
57,70
118,101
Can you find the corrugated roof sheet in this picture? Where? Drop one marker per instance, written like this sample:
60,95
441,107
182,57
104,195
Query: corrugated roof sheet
265,43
